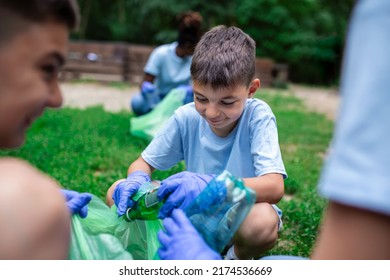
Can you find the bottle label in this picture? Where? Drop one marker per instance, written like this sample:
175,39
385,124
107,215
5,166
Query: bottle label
151,198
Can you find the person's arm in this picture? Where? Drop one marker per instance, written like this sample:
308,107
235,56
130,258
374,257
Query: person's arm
269,187
149,78
353,233
34,220
151,69
147,87
266,154
140,165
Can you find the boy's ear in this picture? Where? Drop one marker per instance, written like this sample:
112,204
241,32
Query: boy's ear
254,86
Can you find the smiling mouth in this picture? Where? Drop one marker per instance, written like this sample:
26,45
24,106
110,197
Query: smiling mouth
214,122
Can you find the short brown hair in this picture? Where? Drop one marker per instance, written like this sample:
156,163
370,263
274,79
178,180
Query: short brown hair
225,57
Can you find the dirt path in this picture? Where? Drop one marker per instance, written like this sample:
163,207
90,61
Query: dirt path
325,101
90,94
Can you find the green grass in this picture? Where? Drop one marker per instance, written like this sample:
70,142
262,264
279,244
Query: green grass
304,138
87,150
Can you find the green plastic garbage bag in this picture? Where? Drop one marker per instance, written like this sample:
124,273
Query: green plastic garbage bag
146,126
93,238
139,236
102,235
216,213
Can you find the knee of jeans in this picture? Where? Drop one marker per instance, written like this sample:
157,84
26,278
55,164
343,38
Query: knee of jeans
138,105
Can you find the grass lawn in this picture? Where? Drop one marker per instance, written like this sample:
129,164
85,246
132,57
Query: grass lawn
87,150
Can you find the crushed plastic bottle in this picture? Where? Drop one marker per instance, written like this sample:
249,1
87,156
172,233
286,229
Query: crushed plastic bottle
147,205
219,210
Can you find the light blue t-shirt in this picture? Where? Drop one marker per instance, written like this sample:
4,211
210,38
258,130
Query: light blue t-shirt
169,69
250,150
357,172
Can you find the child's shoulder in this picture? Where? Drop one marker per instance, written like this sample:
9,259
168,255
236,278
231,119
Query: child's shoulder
258,105
187,112
163,49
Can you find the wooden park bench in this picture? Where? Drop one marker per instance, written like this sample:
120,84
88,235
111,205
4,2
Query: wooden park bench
108,61
271,74
125,62
96,58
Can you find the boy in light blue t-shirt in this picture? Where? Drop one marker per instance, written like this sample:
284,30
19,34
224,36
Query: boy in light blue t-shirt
223,129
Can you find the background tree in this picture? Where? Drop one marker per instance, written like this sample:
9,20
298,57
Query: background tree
308,35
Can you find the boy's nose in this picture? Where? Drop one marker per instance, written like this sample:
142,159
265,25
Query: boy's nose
212,111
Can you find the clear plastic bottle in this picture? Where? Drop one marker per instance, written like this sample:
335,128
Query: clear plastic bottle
219,210
147,205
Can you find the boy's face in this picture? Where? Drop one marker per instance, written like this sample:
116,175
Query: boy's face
29,66
222,108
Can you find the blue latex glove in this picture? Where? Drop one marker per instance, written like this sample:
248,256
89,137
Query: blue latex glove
126,189
147,87
181,241
77,202
180,190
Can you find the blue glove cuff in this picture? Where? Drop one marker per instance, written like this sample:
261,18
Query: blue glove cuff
140,173
147,87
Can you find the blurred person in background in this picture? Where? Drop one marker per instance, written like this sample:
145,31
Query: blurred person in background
168,66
